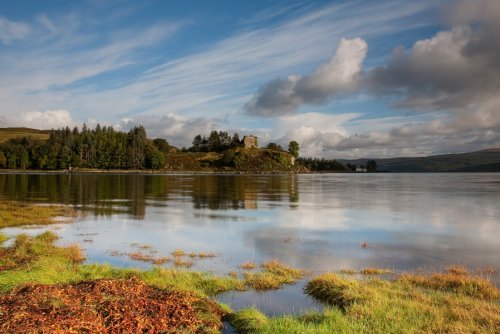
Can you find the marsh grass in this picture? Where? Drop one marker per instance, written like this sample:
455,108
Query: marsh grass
19,214
38,260
180,262
375,271
248,265
335,290
410,304
454,301
249,320
459,282
178,253
273,276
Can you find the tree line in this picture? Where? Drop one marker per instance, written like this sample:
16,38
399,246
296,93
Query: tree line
102,147
326,165
216,141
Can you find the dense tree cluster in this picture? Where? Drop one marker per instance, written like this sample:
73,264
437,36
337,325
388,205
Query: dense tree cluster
293,148
322,165
215,142
102,147
274,146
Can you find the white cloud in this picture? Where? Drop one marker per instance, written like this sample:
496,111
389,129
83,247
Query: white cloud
339,76
50,119
178,130
11,30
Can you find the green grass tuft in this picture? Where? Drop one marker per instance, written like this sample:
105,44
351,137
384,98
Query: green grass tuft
249,320
335,290
274,275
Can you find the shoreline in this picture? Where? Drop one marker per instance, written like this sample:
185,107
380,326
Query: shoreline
152,172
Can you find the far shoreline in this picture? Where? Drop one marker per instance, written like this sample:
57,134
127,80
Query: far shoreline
153,172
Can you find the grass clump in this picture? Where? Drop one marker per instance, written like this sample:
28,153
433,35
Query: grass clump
375,271
249,320
180,262
248,265
20,214
178,252
454,281
274,275
335,290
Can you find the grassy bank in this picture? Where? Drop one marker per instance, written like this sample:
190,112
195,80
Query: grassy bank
449,302
44,283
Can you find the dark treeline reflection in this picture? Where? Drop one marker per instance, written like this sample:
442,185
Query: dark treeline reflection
129,193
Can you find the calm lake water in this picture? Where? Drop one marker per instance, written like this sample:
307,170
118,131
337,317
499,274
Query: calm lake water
317,222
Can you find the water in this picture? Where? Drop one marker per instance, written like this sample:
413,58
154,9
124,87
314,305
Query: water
317,222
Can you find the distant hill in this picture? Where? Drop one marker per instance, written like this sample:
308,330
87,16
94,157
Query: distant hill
9,133
480,161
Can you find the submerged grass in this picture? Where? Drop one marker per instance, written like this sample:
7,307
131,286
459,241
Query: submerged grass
19,214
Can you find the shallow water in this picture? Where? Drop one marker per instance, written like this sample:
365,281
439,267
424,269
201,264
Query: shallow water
317,222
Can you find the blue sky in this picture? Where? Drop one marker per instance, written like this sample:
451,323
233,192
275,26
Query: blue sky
343,78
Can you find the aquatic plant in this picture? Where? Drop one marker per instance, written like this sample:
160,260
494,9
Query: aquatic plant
248,265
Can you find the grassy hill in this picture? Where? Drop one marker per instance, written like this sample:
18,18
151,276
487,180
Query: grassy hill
479,161
9,133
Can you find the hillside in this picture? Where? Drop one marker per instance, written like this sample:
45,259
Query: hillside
9,133
480,161
232,160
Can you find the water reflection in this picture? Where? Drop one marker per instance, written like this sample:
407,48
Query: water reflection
316,222
109,194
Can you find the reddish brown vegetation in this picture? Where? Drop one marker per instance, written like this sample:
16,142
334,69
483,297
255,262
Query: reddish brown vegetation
105,306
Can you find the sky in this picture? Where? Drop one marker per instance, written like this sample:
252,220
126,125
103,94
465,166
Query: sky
345,79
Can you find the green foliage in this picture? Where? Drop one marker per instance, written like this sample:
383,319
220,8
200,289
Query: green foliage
215,142
274,146
154,158
102,148
322,165
293,148
162,145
